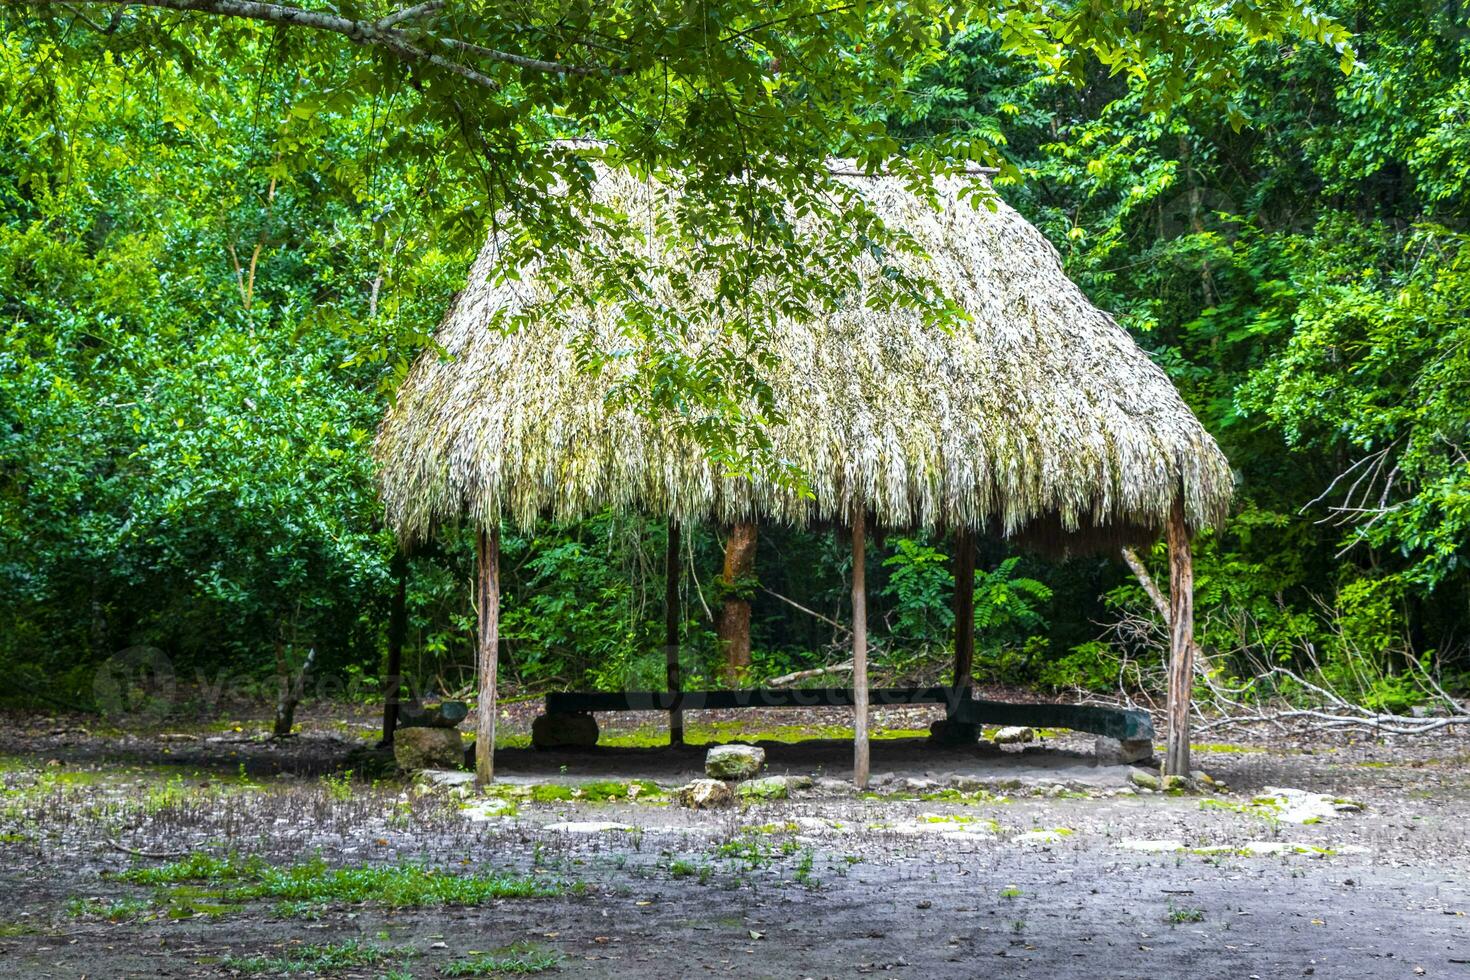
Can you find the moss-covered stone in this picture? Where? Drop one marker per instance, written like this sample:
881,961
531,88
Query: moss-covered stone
705,794
427,748
770,787
734,761
1143,779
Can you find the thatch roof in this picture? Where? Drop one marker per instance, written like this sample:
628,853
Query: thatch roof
1038,419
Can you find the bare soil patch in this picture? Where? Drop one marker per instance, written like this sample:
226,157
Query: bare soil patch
1043,867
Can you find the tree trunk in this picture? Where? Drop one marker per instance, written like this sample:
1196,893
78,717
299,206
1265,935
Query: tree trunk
964,606
1181,642
285,704
859,650
397,629
289,689
734,625
671,632
487,588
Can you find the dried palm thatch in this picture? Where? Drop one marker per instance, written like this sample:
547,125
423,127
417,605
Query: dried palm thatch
1038,419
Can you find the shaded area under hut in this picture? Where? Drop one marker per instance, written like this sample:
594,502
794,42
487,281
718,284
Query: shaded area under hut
1036,419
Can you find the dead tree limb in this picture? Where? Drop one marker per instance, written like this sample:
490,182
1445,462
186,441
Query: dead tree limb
801,675
1140,572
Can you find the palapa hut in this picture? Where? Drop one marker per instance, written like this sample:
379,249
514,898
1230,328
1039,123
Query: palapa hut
1038,420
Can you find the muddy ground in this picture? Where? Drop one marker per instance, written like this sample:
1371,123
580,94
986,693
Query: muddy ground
972,862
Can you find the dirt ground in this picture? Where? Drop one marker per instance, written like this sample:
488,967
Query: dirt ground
1017,861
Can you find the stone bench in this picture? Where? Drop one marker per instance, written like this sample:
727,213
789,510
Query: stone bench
964,714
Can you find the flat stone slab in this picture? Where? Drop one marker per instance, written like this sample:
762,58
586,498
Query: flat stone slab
822,825
1300,806
482,810
1151,846
940,825
586,827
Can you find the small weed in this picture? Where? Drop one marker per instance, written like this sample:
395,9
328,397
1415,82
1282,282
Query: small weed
338,787
1010,892
748,850
803,875
683,869
170,794
1179,915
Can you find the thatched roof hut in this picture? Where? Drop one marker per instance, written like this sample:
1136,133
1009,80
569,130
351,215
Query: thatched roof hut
1037,419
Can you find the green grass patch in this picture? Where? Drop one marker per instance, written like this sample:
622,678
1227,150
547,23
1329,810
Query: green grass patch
1224,748
116,910
196,867
1267,808
603,791
399,886
967,797
318,957
519,960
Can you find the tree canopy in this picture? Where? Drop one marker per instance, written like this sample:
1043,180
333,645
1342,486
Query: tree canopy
227,228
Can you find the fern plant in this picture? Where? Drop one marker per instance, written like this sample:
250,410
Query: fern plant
1004,600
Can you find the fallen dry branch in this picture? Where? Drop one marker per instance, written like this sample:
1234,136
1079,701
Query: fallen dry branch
1337,713
119,846
810,612
801,675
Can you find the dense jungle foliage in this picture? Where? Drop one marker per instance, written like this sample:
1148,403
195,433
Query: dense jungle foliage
209,285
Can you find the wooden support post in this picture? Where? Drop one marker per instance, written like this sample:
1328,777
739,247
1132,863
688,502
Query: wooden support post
1181,642
671,632
859,649
964,606
397,628
487,587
